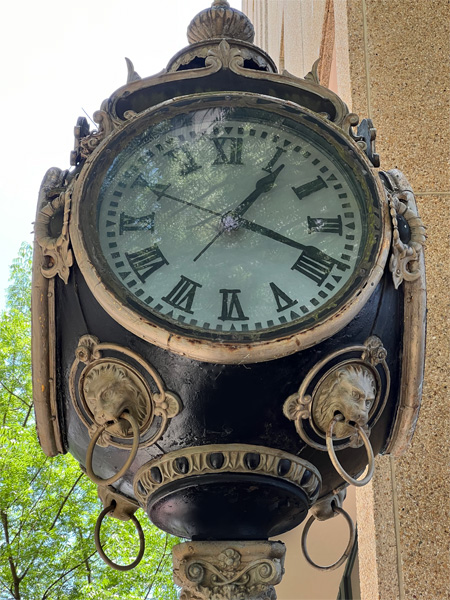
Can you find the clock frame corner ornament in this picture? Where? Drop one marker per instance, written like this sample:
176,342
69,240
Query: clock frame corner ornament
230,228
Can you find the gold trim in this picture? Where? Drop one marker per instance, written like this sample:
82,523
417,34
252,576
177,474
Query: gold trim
220,351
228,458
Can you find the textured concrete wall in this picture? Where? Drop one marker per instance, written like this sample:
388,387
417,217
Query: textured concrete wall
399,54
391,63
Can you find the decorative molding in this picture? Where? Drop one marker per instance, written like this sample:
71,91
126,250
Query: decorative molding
408,235
229,458
357,388
224,56
220,21
312,75
52,227
228,570
47,246
106,125
411,259
366,132
106,386
349,124
132,75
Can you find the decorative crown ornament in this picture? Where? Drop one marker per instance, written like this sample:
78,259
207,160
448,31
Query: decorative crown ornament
220,21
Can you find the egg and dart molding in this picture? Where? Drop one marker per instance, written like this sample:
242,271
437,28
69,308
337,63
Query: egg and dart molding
228,307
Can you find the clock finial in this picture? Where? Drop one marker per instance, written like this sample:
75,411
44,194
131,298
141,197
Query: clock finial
220,21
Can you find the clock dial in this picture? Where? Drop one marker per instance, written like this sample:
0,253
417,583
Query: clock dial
231,220
222,221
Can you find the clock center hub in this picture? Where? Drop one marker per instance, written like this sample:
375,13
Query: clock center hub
229,222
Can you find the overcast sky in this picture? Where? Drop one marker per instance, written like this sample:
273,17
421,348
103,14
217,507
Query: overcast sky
58,58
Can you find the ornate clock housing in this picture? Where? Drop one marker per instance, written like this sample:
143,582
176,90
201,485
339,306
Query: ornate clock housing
229,228
199,232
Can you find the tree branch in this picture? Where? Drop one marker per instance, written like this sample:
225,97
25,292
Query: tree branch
158,567
24,424
15,395
65,500
16,580
66,573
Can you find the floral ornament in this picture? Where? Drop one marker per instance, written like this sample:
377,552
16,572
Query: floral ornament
375,352
229,560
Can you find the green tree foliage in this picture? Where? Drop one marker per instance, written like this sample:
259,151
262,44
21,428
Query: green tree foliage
48,508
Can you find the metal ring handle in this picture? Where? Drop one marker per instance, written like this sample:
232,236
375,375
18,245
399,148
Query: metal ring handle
99,546
134,448
347,551
337,465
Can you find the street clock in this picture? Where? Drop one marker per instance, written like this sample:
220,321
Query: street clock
230,229
228,306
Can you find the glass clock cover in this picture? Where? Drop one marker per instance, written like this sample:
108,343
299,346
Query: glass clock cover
232,221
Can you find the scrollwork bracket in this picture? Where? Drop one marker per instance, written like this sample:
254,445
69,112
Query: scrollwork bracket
408,235
52,225
228,570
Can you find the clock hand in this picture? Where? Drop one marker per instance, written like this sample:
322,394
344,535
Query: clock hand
311,251
160,193
265,184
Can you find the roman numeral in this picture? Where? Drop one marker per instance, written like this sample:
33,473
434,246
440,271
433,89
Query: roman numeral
317,265
302,191
146,261
182,295
273,160
281,298
231,306
185,158
229,150
140,181
325,225
130,223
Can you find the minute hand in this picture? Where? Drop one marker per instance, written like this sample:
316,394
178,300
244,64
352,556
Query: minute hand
311,251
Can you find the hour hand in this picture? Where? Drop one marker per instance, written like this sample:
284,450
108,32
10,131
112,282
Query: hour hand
265,184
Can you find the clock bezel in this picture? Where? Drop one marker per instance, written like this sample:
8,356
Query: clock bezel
189,340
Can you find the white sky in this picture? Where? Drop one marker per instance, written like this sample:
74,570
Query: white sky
58,58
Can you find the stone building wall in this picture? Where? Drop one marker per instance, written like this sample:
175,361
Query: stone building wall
390,61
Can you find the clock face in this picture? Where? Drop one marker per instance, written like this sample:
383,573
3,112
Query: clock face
233,223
